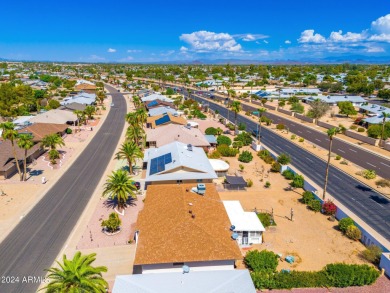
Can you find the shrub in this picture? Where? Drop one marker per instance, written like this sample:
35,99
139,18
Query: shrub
353,127
238,144
275,167
227,151
344,275
293,137
263,279
374,131
284,159
244,137
361,129
298,181
383,183
68,131
241,126
211,131
315,205
231,126
372,254
268,122
295,279
269,160
264,153
345,223
241,166
353,232
266,219
261,260
288,174
245,157
301,139
297,107
338,157
249,183
329,208
267,184
54,104
307,197
223,139
369,174
215,155
344,162
280,126
113,222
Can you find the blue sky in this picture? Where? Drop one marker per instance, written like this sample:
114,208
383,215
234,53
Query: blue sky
148,31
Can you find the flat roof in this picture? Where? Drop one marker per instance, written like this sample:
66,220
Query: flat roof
243,221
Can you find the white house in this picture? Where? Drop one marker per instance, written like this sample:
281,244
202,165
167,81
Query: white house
247,225
333,100
158,96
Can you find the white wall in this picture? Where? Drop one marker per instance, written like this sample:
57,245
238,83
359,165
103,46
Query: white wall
194,266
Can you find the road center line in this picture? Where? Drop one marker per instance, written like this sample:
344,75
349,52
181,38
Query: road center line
318,140
299,131
309,160
371,165
353,150
341,151
385,164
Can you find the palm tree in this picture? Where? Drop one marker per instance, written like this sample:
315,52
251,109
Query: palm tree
52,141
132,119
9,133
101,96
135,133
80,117
25,142
142,115
120,186
331,133
130,152
89,111
77,275
136,102
261,112
385,116
236,108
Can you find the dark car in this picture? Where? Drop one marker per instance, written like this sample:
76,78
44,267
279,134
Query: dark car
137,184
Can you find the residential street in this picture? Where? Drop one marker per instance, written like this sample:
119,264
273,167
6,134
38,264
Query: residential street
36,241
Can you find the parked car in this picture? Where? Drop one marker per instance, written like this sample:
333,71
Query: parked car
137,184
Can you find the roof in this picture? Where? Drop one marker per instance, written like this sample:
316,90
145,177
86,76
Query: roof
155,97
243,221
219,165
165,119
336,99
84,82
73,106
211,138
158,103
299,90
82,98
227,281
185,164
235,180
22,120
7,155
39,130
54,116
373,108
173,132
85,86
169,233
375,120
161,110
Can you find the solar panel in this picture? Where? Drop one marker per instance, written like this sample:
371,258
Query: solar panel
162,120
168,158
158,164
153,103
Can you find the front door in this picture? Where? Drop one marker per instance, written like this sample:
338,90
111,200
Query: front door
245,238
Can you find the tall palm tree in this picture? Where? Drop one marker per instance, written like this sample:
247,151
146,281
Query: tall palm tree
120,186
135,133
261,112
385,117
130,152
9,133
136,102
331,133
101,96
80,117
25,142
89,111
236,108
77,275
52,141
142,115
132,119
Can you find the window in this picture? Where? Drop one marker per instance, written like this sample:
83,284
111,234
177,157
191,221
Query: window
178,264
199,180
179,181
254,234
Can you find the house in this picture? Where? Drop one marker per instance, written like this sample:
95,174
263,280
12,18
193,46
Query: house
40,130
81,98
158,103
333,100
158,96
162,110
164,119
300,91
232,281
166,134
375,113
7,158
73,107
179,228
55,116
85,86
247,225
22,121
212,140
177,162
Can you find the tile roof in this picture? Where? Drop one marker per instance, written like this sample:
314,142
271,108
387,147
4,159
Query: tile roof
168,232
163,120
7,155
173,132
158,103
73,106
85,86
39,130
54,116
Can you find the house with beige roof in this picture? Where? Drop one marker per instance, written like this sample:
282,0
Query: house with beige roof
164,119
178,228
166,134
55,116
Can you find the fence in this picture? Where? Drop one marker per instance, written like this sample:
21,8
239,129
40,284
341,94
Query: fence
369,140
285,112
304,118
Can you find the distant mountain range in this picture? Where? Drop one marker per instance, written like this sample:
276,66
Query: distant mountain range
353,59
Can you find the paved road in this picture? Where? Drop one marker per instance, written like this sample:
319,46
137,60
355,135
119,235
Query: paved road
357,155
36,241
367,204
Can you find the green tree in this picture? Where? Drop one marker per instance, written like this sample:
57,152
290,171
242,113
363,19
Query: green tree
298,108
385,116
77,275
131,152
318,109
384,94
89,111
25,141
236,108
54,104
346,108
9,133
331,133
223,139
52,141
136,134
113,223
120,187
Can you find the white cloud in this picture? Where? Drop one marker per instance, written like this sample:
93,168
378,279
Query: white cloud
204,41
128,58
348,37
380,38
381,25
288,42
183,49
374,49
308,36
134,51
168,53
265,41
250,37
111,50
96,58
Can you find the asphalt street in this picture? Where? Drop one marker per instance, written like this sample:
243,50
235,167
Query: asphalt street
369,205
36,241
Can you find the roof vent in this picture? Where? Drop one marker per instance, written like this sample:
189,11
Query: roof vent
186,269
189,147
232,228
188,125
234,236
